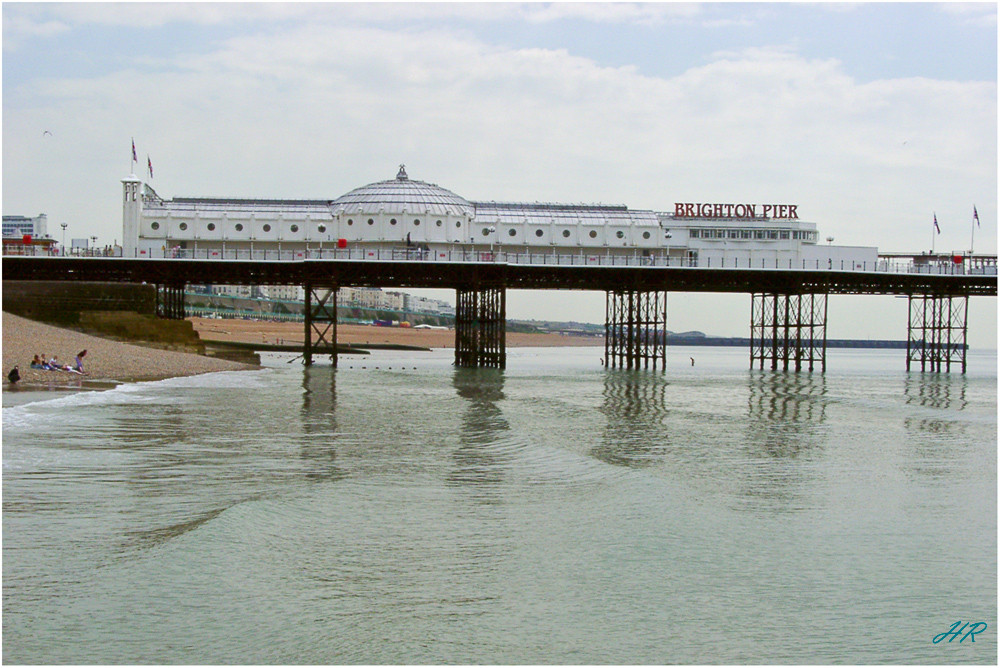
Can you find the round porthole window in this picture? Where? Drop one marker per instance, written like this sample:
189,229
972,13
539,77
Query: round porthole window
239,227
645,235
155,226
566,233
183,226
416,221
458,223
295,228
350,222
321,229
391,222
512,232
438,223
620,234
538,233
371,221
486,231
211,227
593,234
267,228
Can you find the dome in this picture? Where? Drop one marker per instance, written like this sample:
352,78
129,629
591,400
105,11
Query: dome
401,195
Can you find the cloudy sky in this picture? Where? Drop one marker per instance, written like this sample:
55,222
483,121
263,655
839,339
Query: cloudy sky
870,117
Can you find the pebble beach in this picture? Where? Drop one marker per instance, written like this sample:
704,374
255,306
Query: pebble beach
106,360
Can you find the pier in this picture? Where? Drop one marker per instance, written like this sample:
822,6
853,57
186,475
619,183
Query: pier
787,329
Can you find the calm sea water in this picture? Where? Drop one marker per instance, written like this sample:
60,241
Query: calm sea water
556,512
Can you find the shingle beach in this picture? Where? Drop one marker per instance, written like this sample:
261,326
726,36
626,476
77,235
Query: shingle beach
106,360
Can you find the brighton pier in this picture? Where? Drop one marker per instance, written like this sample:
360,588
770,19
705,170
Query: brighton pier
402,233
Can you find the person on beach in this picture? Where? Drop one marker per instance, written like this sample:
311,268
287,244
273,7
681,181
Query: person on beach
37,363
14,375
79,361
54,364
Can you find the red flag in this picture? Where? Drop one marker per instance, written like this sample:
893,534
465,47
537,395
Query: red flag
936,225
975,215
150,163
134,159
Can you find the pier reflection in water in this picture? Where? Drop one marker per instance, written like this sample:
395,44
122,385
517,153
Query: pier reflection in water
635,410
318,450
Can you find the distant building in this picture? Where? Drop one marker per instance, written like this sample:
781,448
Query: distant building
18,226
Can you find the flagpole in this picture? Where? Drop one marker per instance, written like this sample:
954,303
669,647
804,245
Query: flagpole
933,233
972,242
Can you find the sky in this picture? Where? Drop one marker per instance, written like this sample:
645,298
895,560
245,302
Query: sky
871,118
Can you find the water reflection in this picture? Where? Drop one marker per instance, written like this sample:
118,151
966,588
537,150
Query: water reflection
319,422
785,417
635,409
477,461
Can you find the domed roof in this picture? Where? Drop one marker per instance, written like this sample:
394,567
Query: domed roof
401,195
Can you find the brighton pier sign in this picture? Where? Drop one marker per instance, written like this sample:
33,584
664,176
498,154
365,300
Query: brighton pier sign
690,210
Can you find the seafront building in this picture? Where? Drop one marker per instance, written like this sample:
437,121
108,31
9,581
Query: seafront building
421,220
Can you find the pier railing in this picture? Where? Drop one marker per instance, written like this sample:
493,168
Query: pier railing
976,265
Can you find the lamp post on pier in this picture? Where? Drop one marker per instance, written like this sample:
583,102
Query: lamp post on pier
62,247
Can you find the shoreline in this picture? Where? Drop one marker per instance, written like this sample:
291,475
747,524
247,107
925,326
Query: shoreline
108,362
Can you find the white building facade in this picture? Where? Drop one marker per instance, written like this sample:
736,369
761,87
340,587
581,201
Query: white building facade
420,220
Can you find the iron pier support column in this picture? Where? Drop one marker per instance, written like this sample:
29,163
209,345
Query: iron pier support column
936,331
481,327
320,322
170,301
635,329
788,329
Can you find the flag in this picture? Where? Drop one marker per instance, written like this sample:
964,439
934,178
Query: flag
150,163
134,159
936,225
975,216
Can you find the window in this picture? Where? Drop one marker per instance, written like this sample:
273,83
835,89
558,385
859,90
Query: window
350,222
183,226
512,232
538,233
239,227
267,228
211,227
391,222
416,221
321,229
458,223
155,226
486,231
371,222
620,234
593,234
438,223
294,228
566,233
645,235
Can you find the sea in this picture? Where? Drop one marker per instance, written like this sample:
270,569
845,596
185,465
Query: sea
400,510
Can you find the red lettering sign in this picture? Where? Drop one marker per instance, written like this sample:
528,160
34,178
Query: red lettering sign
742,211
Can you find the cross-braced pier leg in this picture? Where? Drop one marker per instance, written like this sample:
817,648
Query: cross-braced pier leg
936,331
635,329
788,330
320,323
170,301
481,327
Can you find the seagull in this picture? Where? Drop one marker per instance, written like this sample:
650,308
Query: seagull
47,133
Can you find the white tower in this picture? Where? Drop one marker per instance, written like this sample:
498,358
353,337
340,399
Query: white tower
131,214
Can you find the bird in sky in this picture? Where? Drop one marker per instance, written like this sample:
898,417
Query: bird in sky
47,133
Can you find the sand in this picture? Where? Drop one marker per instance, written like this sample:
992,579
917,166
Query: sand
293,333
106,360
